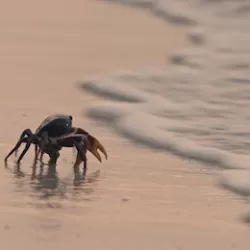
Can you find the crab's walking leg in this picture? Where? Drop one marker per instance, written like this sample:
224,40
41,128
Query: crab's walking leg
27,132
78,161
25,149
42,144
36,153
81,152
41,155
77,164
25,139
53,158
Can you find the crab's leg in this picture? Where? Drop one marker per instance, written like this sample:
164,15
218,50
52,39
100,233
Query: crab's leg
80,142
23,140
30,139
27,132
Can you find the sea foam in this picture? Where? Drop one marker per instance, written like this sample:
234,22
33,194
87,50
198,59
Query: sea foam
199,108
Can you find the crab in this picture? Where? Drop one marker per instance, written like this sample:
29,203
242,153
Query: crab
54,133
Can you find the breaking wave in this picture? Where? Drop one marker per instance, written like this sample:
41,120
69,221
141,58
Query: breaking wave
199,109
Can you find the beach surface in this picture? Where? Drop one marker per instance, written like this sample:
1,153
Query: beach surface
139,198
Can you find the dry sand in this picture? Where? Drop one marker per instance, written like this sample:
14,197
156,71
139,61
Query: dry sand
139,199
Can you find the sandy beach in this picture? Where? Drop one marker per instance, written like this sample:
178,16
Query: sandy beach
138,198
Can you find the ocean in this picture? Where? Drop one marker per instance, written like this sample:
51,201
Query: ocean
199,107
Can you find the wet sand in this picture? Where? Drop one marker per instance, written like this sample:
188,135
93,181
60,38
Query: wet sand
138,199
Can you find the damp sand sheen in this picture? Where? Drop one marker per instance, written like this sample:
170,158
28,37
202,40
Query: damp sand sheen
139,198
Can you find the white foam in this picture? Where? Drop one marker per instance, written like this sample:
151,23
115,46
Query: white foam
175,12
198,109
237,181
197,36
136,121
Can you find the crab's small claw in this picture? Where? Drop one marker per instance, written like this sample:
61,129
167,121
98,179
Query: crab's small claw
96,154
94,145
102,149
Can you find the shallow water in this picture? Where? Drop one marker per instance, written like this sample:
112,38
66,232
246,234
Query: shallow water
138,202
40,186
199,107
138,199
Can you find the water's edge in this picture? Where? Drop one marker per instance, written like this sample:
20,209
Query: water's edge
198,109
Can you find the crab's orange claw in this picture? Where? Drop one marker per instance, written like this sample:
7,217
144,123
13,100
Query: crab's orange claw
102,149
96,154
94,145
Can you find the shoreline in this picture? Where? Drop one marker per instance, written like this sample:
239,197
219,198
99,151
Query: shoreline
141,199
